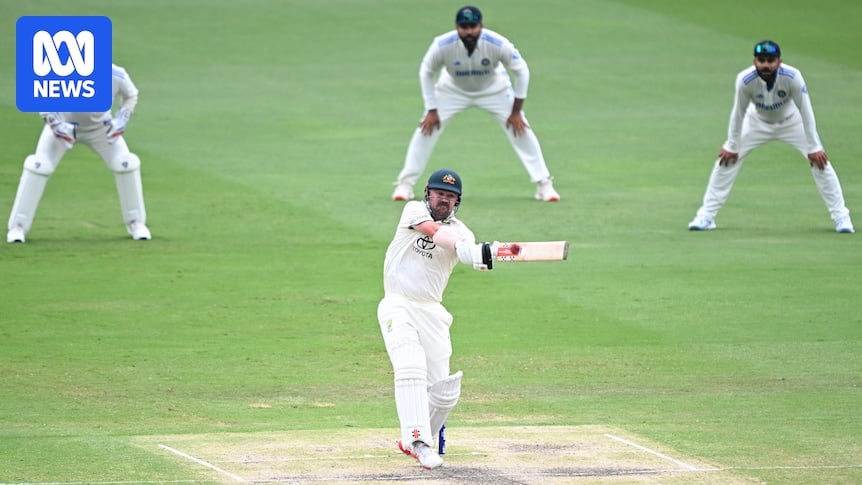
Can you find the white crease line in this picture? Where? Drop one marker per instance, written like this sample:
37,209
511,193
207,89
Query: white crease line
202,462
656,453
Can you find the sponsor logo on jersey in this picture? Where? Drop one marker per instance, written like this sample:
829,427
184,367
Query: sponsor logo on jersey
423,247
63,63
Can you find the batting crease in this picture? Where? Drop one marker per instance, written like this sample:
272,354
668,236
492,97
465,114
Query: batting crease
656,453
202,462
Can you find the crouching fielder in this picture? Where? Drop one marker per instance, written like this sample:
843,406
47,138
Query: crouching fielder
429,241
103,133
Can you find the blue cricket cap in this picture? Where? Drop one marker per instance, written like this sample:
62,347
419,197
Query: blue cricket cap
468,15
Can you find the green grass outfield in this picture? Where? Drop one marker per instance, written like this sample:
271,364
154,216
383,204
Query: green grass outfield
271,133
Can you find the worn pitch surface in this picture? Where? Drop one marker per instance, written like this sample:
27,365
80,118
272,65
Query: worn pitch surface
493,455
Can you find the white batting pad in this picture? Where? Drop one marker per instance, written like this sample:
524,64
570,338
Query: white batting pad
411,400
442,398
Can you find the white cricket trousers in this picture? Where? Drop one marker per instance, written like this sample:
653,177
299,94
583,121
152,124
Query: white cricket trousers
451,102
755,133
417,340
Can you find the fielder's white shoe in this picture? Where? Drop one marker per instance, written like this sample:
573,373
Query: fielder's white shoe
545,191
15,235
842,224
423,453
403,191
139,231
701,223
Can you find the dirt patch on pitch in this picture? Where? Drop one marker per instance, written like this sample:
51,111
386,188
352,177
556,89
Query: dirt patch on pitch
475,455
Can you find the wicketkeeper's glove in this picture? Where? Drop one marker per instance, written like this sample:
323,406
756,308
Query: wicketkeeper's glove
117,125
480,255
62,129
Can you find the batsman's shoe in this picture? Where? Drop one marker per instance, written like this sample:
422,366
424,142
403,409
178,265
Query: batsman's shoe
423,453
403,192
842,225
15,235
701,223
545,191
139,231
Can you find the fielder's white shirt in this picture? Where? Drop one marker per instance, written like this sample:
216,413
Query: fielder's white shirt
788,96
122,86
414,266
481,73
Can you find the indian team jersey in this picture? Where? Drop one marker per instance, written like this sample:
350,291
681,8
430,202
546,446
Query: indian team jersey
414,266
482,72
787,97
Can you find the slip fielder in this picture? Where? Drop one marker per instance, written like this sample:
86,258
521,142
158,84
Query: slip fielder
771,103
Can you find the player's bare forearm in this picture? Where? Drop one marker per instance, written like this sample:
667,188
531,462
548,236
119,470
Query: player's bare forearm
516,120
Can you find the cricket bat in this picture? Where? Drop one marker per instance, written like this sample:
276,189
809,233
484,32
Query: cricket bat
533,251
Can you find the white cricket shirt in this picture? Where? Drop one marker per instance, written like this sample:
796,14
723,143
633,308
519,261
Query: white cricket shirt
414,266
480,73
788,96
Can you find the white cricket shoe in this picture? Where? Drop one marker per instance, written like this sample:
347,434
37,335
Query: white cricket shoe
842,225
427,458
701,223
403,191
545,191
15,235
139,231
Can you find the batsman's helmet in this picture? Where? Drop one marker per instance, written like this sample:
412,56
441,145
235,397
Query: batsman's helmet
444,179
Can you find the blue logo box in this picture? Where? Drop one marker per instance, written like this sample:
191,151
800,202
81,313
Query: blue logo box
63,63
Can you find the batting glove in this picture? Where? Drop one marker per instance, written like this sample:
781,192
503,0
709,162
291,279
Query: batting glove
479,255
62,129
117,125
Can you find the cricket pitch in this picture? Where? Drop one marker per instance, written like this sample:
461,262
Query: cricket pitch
474,455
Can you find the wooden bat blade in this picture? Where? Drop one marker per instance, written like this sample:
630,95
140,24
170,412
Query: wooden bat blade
533,251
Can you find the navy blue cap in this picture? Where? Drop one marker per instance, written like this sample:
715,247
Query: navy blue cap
445,179
767,48
468,15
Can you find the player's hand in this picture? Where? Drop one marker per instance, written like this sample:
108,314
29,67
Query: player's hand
726,158
117,125
62,129
479,255
818,159
65,131
517,124
430,122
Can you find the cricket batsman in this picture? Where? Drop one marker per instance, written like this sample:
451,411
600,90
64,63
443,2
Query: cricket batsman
429,241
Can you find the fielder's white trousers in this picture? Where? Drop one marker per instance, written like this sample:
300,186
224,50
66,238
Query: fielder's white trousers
755,133
450,102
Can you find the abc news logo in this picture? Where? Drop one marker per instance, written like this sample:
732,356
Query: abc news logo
63,64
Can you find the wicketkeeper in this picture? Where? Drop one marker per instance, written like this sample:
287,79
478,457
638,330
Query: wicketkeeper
103,133
429,241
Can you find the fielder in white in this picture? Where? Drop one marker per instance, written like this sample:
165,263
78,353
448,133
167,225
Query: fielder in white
103,133
771,103
429,241
473,64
